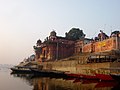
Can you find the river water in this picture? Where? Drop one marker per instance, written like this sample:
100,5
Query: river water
10,81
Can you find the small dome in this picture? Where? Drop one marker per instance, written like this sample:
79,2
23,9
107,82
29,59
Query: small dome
38,42
53,33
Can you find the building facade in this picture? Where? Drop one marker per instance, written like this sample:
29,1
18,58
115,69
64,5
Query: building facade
112,43
54,48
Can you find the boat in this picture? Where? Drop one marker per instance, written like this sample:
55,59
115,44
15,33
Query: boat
104,74
108,74
47,73
90,76
24,67
21,69
104,77
73,75
115,76
89,81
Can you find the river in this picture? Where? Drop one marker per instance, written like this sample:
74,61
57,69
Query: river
10,81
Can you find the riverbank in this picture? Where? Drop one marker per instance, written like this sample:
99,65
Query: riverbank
84,65
25,82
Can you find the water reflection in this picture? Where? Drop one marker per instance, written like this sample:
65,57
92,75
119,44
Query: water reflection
48,83
25,77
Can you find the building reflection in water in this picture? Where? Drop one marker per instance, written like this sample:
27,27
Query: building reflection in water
47,83
25,77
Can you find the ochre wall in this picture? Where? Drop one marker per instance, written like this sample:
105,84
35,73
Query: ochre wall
105,45
101,46
87,48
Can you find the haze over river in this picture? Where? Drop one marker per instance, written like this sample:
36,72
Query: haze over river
10,81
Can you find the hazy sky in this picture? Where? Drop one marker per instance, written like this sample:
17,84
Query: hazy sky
23,22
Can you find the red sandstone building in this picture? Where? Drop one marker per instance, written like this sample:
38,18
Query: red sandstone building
55,47
80,43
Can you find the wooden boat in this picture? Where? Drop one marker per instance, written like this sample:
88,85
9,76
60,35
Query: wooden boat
105,74
74,75
115,73
115,76
89,81
89,74
48,73
21,69
104,77
91,77
82,76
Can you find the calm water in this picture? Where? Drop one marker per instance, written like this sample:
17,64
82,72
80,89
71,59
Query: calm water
28,82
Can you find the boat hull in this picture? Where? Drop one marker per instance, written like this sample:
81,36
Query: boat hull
115,77
104,77
48,73
14,70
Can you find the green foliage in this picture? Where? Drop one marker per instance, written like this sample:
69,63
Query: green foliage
75,34
115,32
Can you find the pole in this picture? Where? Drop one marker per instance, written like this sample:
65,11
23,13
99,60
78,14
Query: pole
116,42
57,52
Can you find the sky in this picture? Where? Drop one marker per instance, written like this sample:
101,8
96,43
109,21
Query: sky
23,22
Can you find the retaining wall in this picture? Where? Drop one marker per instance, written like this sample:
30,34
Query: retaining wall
74,66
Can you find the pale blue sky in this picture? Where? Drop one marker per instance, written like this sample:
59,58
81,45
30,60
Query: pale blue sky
23,22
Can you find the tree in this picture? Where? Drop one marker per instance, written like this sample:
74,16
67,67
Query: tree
115,33
75,34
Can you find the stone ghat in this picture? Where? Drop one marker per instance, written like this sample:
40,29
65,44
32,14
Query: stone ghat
74,66
77,66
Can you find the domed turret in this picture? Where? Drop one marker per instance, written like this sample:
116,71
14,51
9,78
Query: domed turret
53,33
38,42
